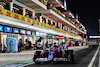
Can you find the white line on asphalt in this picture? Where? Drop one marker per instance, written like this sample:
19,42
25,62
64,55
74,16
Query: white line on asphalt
27,64
93,59
15,53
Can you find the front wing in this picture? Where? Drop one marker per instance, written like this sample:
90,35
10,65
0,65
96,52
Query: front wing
59,59
41,60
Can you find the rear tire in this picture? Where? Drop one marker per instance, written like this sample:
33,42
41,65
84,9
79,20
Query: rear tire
70,55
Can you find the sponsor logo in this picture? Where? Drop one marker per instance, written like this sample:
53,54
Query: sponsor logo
60,59
41,59
51,54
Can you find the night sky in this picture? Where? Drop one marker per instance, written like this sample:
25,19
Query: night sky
88,12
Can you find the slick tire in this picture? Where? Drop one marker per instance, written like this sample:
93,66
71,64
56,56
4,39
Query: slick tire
39,44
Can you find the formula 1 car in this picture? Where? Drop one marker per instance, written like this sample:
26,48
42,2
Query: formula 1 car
54,55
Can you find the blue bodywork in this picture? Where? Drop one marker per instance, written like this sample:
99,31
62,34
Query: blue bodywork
51,55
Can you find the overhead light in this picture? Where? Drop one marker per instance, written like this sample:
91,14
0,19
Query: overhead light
94,36
45,0
71,15
57,0
62,6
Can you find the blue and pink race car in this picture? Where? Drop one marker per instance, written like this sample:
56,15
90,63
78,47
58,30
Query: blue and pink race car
53,55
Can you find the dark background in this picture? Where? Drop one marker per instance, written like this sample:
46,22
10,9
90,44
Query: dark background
88,12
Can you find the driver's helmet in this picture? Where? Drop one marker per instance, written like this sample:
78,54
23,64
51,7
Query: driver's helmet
51,48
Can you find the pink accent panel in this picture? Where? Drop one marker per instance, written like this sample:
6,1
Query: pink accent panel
54,59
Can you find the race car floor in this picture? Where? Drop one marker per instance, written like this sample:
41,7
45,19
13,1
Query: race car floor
82,59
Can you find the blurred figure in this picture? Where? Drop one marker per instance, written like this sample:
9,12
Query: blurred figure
61,43
20,10
30,14
70,44
19,45
34,46
32,17
67,45
99,44
1,5
46,44
80,44
27,13
7,6
76,43
24,46
27,45
13,10
55,45
4,49
29,42
73,44
0,47
16,11
84,44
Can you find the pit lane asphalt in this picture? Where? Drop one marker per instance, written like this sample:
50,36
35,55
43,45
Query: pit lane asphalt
82,59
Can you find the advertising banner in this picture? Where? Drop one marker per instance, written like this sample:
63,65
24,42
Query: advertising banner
15,30
93,42
28,32
1,11
33,21
22,31
23,18
57,36
29,20
7,29
1,28
37,23
7,13
15,15
42,24
33,33
37,33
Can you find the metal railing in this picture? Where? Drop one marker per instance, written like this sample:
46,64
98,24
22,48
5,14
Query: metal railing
63,16
42,1
29,20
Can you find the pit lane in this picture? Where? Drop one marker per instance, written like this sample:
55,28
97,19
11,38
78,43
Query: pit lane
82,59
